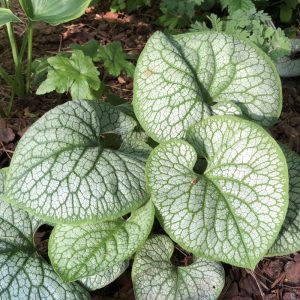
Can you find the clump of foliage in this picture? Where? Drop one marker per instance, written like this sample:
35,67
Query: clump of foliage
49,11
253,25
78,74
219,184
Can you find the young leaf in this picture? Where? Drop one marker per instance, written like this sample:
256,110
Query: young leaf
23,273
103,278
115,60
89,49
54,12
155,277
234,210
178,77
84,250
63,171
234,5
288,241
77,74
7,16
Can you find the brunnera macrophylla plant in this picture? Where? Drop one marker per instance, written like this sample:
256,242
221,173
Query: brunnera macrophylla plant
24,274
219,184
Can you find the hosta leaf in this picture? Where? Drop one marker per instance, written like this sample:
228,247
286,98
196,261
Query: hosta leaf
179,77
288,239
7,16
63,171
105,277
84,250
234,210
155,277
54,12
23,273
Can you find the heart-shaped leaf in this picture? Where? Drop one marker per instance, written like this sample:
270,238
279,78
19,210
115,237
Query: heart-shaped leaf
84,250
155,277
67,168
103,278
54,12
288,240
234,211
179,77
23,273
7,16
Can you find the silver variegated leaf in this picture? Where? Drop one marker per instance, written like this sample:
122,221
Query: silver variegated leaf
66,168
179,77
234,210
155,277
84,250
105,277
288,240
23,273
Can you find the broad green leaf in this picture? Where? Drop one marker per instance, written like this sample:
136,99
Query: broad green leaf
179,77
63,171
84,250
7,16
23,273
54,12
115,60
89,49
103,278
288,240
76,74
155,277
234,210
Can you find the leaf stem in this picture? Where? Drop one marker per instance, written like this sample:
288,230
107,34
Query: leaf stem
29,55
7,78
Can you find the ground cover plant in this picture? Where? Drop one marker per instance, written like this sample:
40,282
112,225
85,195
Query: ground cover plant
51,12
190,168
82,168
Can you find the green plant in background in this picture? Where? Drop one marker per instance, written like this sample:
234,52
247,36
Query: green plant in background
177,14
52,12
253,25
78,74
288,9
217,182
129,5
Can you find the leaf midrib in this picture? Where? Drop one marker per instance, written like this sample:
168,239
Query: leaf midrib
231,211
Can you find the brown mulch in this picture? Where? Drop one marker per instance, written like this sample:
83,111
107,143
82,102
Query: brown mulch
274,278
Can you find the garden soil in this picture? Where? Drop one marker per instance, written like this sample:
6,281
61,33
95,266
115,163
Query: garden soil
274,278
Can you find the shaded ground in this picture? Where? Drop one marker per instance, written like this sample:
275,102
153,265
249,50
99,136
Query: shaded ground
274,278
